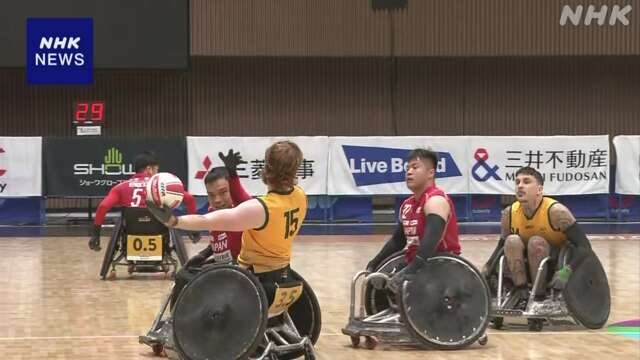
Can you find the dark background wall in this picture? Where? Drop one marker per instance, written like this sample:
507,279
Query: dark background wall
424,28
335,67
249,96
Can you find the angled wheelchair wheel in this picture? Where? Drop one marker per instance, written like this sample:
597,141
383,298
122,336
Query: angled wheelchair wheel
118,232
305,313
306,316
447,304
587,294
220,314
377,300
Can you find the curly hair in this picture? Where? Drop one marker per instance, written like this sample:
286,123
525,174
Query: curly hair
281,162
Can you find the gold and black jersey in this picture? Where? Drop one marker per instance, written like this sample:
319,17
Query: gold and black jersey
268,247
539,224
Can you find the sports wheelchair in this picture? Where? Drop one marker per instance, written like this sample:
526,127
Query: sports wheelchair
223,313
585,300
446,305
142,244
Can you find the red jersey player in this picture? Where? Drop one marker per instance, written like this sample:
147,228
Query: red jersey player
224,191
132,193
428,222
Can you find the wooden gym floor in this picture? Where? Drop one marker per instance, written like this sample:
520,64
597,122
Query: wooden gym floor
53,305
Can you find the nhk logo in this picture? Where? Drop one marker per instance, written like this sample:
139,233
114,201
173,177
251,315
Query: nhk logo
111,165
586,15
59,50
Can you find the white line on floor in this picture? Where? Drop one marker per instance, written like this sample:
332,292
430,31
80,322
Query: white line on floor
68,337
556,333
566,333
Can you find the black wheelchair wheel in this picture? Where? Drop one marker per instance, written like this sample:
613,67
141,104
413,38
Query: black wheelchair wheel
118,232
220,314
446,306
587,294
306,316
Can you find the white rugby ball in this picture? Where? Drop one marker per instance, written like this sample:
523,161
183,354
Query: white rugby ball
165,189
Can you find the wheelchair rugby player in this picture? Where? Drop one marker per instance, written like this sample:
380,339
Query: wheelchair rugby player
260,308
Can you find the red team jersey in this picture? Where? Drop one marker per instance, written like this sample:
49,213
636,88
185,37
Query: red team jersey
226,244
413,222
132,193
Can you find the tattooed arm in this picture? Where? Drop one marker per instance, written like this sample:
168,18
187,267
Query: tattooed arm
562,219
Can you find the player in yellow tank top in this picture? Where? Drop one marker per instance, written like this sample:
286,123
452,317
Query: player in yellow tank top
268,247
537,225
269,223
532,228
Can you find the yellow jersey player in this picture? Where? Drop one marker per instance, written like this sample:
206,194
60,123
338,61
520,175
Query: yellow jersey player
269,223
534,227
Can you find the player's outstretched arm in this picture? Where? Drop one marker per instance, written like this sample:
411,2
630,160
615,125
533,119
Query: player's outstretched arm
248,215
238,193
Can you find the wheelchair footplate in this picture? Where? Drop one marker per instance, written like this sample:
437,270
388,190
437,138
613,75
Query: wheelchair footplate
585,300
160,340
160,335
388,329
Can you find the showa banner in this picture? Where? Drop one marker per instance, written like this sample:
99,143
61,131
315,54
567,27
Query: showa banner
377,165
203,156
570,165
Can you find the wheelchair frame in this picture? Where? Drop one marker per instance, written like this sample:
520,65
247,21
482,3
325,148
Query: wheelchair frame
385,326
552,309
280,342
115,255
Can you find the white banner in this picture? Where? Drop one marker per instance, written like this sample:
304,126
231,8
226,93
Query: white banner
627,164
376,165
20,166
203,155
571,165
